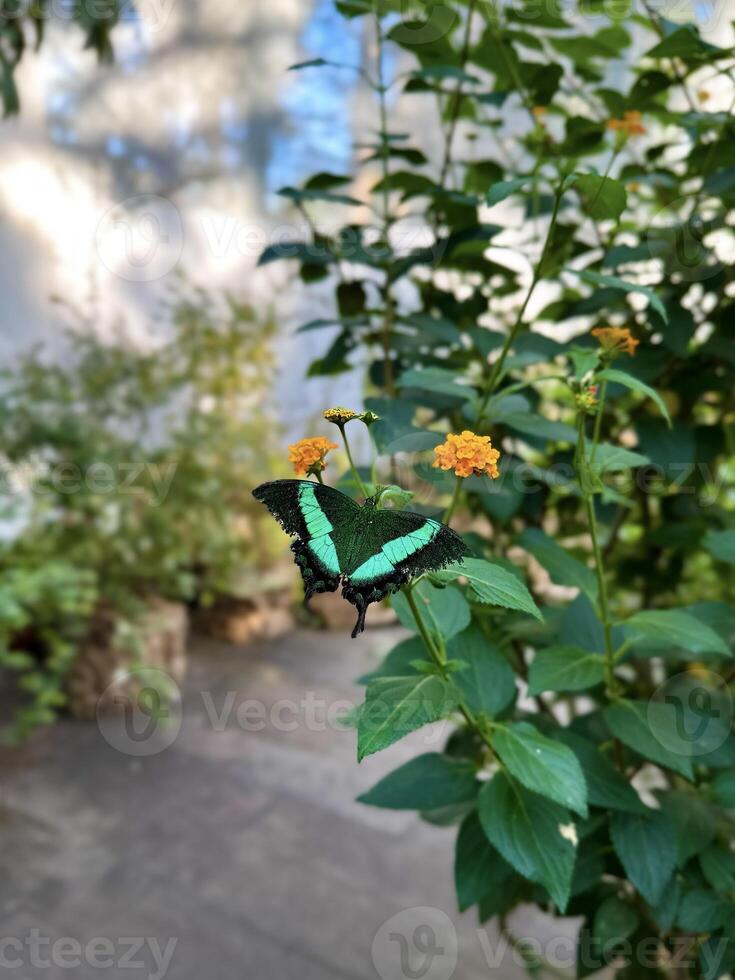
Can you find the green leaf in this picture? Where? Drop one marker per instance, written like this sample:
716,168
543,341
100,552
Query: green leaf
695,819
298,196
478,868
615,920
718,867
542,765
646,847
426,783
488,684
438,381
623,378
446,611
652,730
723,789
602,197
680,629
701,911
533,834
492,584
563,568
504,188
606,787
565,668
685,43
615,282
396,706
721,545
615,459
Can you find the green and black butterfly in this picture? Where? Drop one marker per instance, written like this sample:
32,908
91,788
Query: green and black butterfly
369,551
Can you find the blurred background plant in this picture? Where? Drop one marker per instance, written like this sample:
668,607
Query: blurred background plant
130,470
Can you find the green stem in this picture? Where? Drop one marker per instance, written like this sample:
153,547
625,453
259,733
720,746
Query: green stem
448,513
603,599
497,369
351,461
439,657
457,95
388,315
598,420
318,475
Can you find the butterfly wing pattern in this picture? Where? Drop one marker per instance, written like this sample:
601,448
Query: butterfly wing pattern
370,552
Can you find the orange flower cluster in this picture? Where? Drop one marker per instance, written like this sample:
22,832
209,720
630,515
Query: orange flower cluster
467,454
616,339
308,455
629,125
539,111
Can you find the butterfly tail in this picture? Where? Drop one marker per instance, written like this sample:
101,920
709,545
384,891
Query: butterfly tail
361,613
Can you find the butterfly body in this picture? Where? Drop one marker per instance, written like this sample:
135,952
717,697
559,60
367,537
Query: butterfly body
369,551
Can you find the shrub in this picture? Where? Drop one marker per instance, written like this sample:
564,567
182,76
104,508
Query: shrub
132,467
585,651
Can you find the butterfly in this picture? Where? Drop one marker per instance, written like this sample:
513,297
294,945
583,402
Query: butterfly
369,551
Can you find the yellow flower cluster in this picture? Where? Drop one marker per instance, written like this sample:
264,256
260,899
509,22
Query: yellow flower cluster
467,454
616,339
340,416
308,455
629,125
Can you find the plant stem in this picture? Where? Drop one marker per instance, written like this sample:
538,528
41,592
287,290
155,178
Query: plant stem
318,475
449,512
603,600
456,100
497,369
350,460
598,420
439,658
382,89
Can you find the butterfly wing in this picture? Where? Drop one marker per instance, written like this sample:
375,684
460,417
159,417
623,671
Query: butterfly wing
321,519
395,546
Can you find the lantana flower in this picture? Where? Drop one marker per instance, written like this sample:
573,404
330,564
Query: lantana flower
308,455
468,455
616,340
629,125
340,416
587,398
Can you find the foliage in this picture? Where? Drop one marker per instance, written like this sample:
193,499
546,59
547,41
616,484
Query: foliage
23,24
597,783
133,466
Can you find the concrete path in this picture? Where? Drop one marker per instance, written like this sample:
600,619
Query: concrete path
237,851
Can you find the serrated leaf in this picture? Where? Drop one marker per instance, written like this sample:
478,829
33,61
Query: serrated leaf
446,611
615,920
623,378
606,787
396,706
542,765
652,730
565,668
478,868
429,782
680,629
488,683
563,568
701,910
646,847
531,833
493,584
